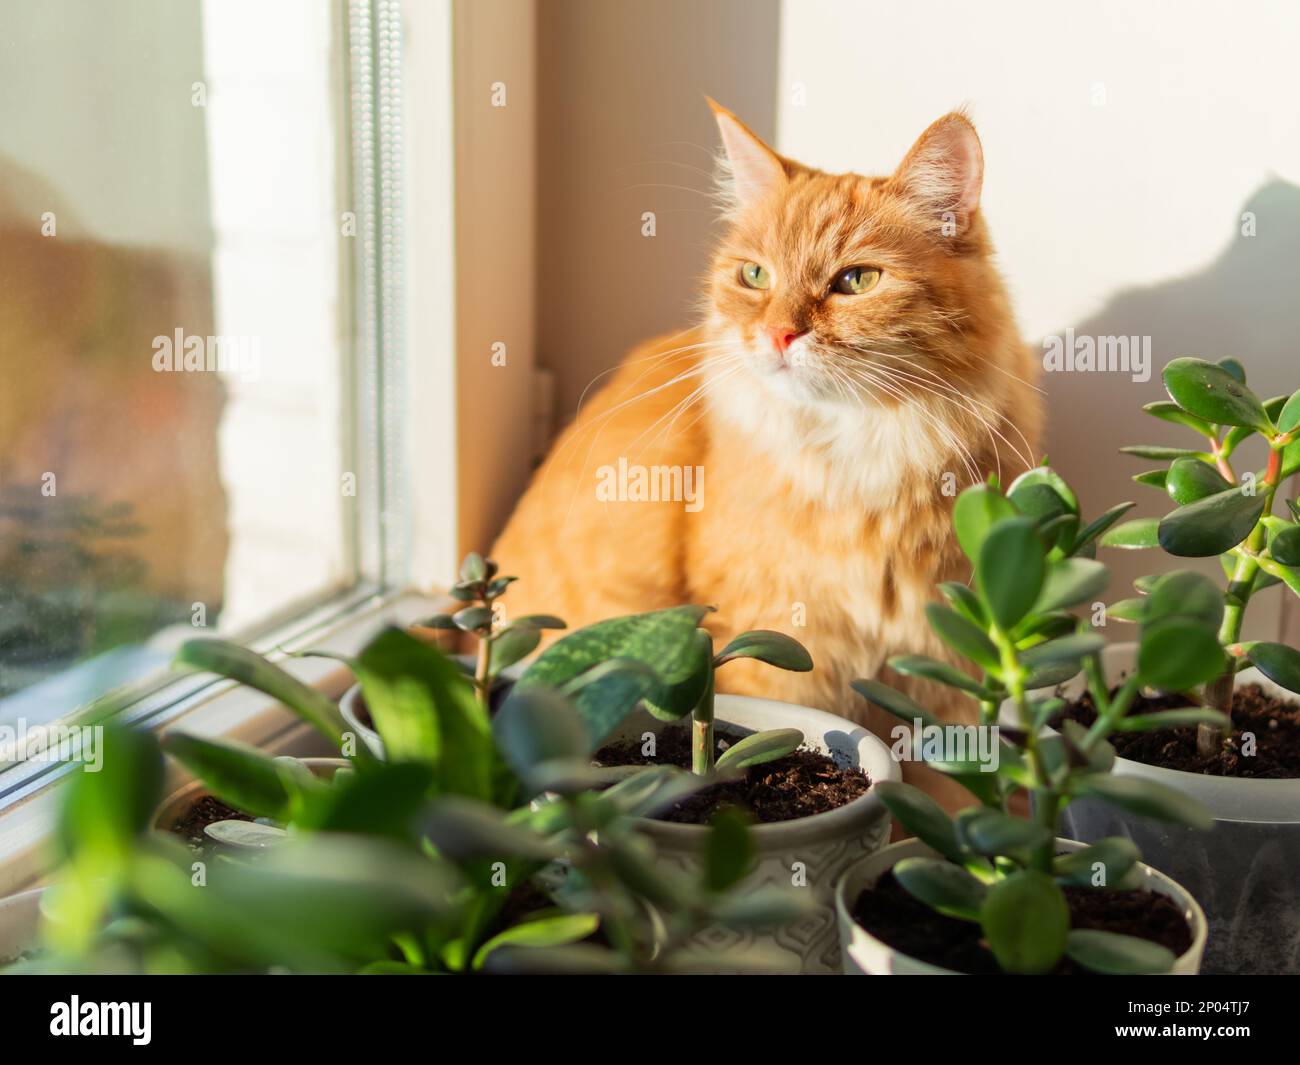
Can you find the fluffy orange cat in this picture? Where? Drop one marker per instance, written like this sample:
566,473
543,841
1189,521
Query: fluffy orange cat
793,459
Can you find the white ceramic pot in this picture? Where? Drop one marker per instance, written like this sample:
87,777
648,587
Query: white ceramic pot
19,923
1245,871
813,851
865,955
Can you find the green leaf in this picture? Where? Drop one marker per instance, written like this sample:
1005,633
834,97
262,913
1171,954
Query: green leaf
513,643
964,601
933,669
728,850
1099,525
1117,955
473,568
1116,856
664,640
1147,798
1212,393
1045,477
538,725
1285,546
1127,609
991,832
975,512
1136,534
1289,418
1211,525
1191,479
1163,719
944,887
472,618
1185,593
548,928
1026,922
466,829
892,701
1178,653
921,816
1171,412
1152,478
1069,582
1161,453
238,775
963,636
774,648
247,667
1010,570
759,748
424,708
1279,663
541,621
1234,367
1068,649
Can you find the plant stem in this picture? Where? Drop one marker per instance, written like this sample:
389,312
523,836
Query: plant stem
702,731
1045,804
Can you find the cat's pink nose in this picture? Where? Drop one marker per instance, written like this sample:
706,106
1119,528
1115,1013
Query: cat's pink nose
783,336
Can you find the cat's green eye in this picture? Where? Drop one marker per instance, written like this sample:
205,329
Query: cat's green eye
754,276
856,280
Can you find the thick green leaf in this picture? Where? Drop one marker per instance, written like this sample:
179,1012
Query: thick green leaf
1279,663
943,886
511,644
728,850
1069,582
774,648
472,618
1026,922
922,816
759,748
1152,478
1214,394
424,708
975,512
1127,609
1178,653
541,621
467,829
1043,476
1289,418
1285,546
1136,534
1147,798
1104,864
1192,479
964,601
1211,525
1163,719
1099,525
1160,453
549,928
933,669
1010,570
537,725
1185,593
664,640
991,832
1117,955
247,667
238,775
1068,649
963,636
1172,412
474,568
893,701
1234,367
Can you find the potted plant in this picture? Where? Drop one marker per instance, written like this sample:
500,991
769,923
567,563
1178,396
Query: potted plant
500,645
806,776
1247,773
993,889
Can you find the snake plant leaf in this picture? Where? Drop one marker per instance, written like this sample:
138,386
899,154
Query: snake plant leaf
1213,393
1191,479
1026,922
944,887
1113,954
1211,525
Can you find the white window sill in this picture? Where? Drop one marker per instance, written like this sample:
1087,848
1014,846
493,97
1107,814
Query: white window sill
218,709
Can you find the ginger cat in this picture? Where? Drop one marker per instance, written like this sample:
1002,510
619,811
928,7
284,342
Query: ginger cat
792,460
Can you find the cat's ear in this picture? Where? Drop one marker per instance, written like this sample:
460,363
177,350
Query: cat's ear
755,169
944,172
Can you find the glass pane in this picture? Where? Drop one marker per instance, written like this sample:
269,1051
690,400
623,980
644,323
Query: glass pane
173,398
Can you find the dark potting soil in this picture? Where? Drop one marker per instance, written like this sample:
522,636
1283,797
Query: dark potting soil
207,811
893,916
801,784
1274,723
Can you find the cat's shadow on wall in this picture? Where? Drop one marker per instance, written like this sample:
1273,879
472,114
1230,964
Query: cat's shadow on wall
1244,303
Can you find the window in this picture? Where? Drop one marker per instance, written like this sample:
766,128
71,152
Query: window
200,308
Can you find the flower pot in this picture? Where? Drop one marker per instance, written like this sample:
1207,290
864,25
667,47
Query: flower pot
1244,871
19,923
173,809
352,705
865,955
813,851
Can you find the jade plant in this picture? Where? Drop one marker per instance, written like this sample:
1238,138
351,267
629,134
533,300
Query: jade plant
1222,513
500,643
526,862
1014,633
681,685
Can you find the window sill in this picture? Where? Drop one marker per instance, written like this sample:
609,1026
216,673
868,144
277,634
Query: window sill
218,709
